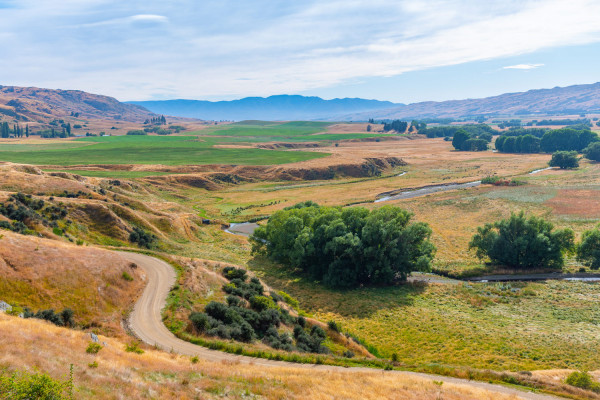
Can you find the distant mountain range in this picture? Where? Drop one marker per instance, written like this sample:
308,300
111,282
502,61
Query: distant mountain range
44,105
566,100
273,108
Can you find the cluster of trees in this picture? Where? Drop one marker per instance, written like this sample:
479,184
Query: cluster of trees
475,130
161,120
252,314
472,137
533,243
395,125
349,247
16,131
523,243
513,123
564,160
537,139
137,132
550,122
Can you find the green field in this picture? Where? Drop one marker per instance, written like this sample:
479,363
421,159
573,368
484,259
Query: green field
168,150
194,148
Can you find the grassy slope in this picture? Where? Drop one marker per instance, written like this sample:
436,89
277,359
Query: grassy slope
42,274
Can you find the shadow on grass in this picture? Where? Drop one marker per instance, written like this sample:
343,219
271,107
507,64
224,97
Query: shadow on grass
314,296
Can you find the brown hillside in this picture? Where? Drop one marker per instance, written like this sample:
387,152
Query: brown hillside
43,105
42,274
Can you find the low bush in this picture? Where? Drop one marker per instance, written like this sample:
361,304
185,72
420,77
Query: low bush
133,347
142,238
583,380
21,385
93,348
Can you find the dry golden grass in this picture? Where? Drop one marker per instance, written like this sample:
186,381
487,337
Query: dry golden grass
32,344
41,274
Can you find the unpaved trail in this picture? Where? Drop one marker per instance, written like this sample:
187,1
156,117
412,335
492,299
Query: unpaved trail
146,322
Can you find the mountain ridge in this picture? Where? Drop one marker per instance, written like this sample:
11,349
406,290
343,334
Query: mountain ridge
42,105
574,99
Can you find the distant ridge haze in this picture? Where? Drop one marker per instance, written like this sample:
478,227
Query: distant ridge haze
272,108
559,100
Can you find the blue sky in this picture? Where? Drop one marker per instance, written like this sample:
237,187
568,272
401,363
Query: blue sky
403,51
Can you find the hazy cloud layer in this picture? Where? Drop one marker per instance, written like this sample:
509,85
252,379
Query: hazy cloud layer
191,49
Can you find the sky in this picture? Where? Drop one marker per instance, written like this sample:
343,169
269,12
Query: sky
398,50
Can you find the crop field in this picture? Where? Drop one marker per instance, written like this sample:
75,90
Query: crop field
228,144
175,150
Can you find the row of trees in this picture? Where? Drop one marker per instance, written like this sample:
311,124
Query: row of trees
548,141
533,243
16,131
160,120
346,247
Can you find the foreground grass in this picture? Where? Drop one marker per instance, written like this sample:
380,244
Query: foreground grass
29,344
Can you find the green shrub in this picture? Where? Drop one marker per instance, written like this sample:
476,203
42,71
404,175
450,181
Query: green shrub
333,326
142,238
199,320
234,273
22,385
126,276
133,347
136,132
260,303
289,299
93,348
583,380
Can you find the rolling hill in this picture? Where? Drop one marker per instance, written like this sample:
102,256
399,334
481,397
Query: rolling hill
43,105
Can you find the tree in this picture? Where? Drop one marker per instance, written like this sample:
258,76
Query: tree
588,251
349,247
5,131
474,145
520,242
460,136
564,160
592,152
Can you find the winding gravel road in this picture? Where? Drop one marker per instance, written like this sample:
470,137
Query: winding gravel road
146,323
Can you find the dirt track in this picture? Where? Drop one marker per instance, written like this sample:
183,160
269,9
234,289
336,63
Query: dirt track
146,322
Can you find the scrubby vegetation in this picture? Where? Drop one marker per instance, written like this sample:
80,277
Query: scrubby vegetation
582,380
252,314
525,243
63,318
472,138
592,152
142,238
348,247
25,211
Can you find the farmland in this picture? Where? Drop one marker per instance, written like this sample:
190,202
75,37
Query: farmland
454,325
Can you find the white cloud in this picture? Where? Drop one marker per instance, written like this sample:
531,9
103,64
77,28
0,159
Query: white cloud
190,49
523,66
